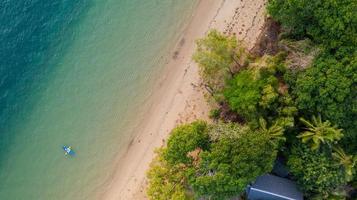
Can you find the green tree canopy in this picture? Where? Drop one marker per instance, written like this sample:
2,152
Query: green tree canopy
329,87
331,22
315,171
257,92
166,181
184,139
216,55
244,93
232,164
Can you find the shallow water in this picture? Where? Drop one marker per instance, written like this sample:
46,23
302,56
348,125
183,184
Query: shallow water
75,72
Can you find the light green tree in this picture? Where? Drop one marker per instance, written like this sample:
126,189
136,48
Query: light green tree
347,161
318,132
217,55
243,94
184,139
166,181
275,132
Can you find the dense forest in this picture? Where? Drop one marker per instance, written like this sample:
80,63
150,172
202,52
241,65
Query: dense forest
298,105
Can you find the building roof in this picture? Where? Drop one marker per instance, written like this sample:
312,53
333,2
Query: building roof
269,187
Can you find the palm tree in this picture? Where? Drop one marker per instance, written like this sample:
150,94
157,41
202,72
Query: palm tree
319,132
275,132
347,161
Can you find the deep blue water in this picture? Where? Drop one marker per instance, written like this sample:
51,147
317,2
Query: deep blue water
32,34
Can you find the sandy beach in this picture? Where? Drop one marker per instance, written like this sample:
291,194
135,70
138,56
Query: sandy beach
179,98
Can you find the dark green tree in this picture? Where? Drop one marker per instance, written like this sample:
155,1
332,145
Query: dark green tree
329,87
331,22
232,164
315,171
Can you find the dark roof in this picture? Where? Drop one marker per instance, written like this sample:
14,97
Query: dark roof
280,169
269,187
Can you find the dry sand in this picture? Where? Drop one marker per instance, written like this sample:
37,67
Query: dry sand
179,97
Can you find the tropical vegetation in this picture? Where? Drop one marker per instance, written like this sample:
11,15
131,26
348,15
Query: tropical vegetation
290,106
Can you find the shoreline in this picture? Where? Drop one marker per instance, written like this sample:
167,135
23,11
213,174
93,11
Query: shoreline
178,97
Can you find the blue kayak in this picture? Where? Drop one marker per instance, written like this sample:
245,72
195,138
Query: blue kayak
68,150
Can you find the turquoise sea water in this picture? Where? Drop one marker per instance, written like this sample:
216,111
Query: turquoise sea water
76,72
